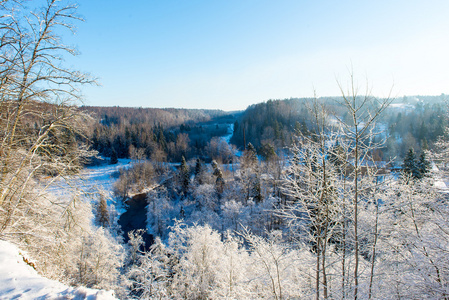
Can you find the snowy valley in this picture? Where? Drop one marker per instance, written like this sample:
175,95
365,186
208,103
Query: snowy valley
339,197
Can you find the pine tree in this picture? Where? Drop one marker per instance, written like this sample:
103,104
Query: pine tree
337,156
256,189
249,158
251,152
267,152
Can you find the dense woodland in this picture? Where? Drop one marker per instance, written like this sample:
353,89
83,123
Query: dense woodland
308,209
159,134
275,123
271,126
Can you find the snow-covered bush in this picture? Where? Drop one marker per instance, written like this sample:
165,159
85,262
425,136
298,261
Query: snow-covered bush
200,263
161,211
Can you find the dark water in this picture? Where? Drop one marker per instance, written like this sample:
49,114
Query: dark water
135,218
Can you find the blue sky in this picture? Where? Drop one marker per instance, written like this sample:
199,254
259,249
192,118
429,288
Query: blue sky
230,54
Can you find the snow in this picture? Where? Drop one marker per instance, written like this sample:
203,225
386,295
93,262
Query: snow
227,139
18,280
229,133
402,106
438,182
100,176
92,180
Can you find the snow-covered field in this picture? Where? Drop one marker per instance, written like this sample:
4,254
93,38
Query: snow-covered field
18,280
93,180
100,176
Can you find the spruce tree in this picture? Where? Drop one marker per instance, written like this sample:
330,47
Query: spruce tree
184,176
219,182
267,152
114,158
249,158
199,169
410,166
423,165
102,212
337,157
256,189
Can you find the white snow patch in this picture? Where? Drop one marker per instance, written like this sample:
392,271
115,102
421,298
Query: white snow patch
227,139
18,280
229,133
93,179
101,176
402,106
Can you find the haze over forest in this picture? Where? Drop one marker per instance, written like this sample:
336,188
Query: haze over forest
249,186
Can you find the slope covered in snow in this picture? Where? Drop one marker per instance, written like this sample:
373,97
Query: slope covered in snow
19,280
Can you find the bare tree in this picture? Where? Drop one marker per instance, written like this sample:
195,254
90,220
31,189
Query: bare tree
331,164
42,131
311,182
363,111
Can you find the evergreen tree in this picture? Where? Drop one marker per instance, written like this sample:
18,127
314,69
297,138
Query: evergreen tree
337,157
424,144
423,165
184,176
267,152
219,182
256,189
410,166
250,157
199,170
114,157
252,153
102,212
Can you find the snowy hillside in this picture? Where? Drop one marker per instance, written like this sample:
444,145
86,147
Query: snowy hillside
18,280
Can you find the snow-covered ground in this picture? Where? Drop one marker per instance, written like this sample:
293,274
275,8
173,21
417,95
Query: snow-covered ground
18,280
93,180
100,176
227,139
229,133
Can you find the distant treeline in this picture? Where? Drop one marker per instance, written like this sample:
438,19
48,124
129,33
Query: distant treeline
168,134
410,122
273,122
159,134
417,124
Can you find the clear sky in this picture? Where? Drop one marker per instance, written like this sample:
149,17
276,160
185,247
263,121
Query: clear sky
229,54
